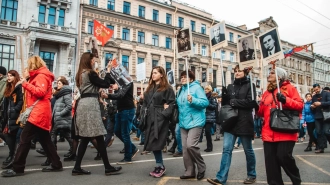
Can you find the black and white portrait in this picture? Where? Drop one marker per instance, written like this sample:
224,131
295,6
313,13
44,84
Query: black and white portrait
93,47
170,77
246,49
270,43
203,76
183,41
257,83
217,33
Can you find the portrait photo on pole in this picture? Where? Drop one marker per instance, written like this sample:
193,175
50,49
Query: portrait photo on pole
170,77
270,45
93,47
218,36
247,52
184,43
119,73
204,76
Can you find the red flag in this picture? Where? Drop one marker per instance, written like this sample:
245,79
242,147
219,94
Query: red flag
102,33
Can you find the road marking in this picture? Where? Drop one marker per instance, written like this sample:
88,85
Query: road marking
164,180
311,164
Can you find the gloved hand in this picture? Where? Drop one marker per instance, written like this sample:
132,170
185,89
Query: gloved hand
281,98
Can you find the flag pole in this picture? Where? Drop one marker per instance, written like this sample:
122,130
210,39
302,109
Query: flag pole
187,74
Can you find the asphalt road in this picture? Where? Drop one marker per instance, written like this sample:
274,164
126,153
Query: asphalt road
314,169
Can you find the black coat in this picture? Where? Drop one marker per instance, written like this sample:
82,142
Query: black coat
211,109
158,118
241,98
12,108
324,98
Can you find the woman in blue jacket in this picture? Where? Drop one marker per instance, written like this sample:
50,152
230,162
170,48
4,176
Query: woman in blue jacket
192,107
308,118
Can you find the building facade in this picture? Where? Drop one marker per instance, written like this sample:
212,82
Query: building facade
39,27
322,70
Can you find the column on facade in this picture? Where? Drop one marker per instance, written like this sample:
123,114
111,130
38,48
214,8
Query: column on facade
37,47
228,77
71,61
32,45
47,13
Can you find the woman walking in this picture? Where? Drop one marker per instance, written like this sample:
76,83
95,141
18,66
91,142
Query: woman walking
88,121
239,96
278,146
13,102
159,100
210,117
191,107
39,122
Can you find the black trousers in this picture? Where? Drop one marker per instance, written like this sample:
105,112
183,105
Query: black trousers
310,131
208,135
66,133
277,155
11,141
29,133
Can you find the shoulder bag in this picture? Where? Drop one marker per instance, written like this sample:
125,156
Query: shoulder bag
143,115
286,121
326,115
228,117
175,115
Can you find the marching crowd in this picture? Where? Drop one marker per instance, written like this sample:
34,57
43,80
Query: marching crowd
32,110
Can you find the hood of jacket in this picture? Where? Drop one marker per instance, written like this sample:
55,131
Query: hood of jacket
42,70
63,91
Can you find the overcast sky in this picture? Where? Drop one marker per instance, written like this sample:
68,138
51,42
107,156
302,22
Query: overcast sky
293,27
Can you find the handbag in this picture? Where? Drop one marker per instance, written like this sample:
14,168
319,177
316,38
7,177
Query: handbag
24,116
326,115
286,121
228,117
175,115
143,115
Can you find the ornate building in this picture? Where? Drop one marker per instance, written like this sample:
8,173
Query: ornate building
321,70
39,27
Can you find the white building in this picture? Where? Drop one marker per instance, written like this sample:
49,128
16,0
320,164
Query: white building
39,27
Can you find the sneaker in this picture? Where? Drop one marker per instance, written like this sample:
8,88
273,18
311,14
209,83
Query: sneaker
177,154
135,152
249,180
111,141
2,143
136,139
145,153
159,172
152,173
122,151
141,144
236,146
124,162
214,181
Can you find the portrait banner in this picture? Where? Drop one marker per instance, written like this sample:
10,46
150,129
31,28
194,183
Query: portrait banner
120,74
184,43
270,45
218,36
246,50
171,78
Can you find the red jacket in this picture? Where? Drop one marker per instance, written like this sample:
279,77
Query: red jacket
293,102
40,87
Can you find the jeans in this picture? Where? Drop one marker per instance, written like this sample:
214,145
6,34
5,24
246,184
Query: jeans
257,126
178,138
228,146
208,134
238,141
123,128
310,129
302,131
110,129
158,157
323,133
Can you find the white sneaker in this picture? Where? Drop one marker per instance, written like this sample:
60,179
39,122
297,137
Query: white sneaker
236,146
2,143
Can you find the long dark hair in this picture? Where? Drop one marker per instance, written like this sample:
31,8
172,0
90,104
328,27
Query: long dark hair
163,81
10,86
85,64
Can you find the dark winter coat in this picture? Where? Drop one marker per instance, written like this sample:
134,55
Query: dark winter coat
324,98
157,117
211,109
12,108
62,115
241,99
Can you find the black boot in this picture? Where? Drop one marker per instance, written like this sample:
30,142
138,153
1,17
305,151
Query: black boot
171,150
46,163
98,157
68,154
72,157
8,159
308,149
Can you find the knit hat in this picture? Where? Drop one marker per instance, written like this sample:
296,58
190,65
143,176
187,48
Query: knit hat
3,70
281,73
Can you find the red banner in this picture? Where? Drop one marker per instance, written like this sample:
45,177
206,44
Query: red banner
101,32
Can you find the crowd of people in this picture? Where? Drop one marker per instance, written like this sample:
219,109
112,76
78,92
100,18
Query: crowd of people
97,110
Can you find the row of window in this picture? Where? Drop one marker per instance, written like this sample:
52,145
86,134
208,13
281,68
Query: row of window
51,15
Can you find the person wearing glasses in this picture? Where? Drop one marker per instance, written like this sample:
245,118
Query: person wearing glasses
320,102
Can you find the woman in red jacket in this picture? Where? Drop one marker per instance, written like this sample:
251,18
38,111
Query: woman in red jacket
278,146
39,122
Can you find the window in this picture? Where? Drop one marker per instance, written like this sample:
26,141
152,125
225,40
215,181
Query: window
141,37
7,53
42,14
125,34
93,2
231,37
140,60
238,36
193,69
203,50
61,17
223,55
111,28
214,54
193,23
155,15
168,66
203,29
108,57
48,57
154,63
155,40
231,57
214,84
111,4
142,11
125,62
9,10
181,66
232,76
180,22
51,15
194,48
127,8
90,27
169,18
168,43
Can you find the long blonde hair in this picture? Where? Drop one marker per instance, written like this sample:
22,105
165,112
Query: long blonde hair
35,62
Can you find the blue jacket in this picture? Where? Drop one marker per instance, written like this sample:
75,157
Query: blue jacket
192,114
307,114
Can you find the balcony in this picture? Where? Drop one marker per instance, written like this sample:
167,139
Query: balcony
52,27
9,23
